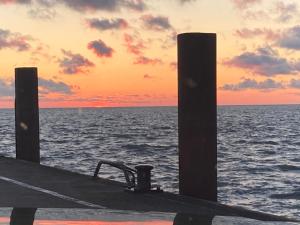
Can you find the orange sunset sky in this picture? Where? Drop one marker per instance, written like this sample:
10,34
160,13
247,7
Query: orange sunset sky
99,53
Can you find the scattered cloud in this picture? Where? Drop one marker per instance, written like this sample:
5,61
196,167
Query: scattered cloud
290,39
146,61
294,83
50,86
92,5
87,5
255,15
134,44
15,1
247,84
265,85
286,11
12,40
156,23
267,33
186,1
42,13
74,63
41,51
147,76
137,5
244,4
7,89
107,24
100,48
264,61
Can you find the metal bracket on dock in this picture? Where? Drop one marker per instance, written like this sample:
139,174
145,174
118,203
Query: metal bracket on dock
128,172
143,173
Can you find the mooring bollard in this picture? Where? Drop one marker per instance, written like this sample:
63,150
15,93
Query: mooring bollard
143,178
27,114
197,115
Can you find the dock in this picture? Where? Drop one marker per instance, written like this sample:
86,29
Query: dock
25,184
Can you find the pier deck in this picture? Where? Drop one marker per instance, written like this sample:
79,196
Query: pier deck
29,185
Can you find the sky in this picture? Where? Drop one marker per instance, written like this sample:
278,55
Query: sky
119,53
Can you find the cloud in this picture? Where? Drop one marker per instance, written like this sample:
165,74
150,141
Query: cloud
244,4
50,86
146,61
7,89
186,1
100,48
15,1
74,63
134,44
265,61
137,5
286,11
87,5
294,83
156,23
255,15
12,40
290,39
42,13
106,24
147,76
106,5
247,84
250,10
267,33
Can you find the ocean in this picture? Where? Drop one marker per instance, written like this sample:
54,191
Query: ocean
258,148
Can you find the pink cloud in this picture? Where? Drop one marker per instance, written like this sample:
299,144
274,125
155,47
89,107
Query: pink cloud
156,23
74,63
147,76
100,48
15,1
264,61
107,24
17,41
146,61
268,34
133,44
244,4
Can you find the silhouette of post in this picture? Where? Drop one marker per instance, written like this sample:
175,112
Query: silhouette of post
197,119
22,216
27,114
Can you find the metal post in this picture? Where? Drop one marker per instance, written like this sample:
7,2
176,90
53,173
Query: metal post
197,119
27,114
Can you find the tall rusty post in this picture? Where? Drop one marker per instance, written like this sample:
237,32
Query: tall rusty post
197,115
27,114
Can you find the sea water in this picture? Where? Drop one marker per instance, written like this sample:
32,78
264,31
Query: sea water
258,148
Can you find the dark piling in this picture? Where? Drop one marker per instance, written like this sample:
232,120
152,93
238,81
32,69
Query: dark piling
197,115
27,114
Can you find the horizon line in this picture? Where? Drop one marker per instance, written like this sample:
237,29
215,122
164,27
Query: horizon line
156,106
